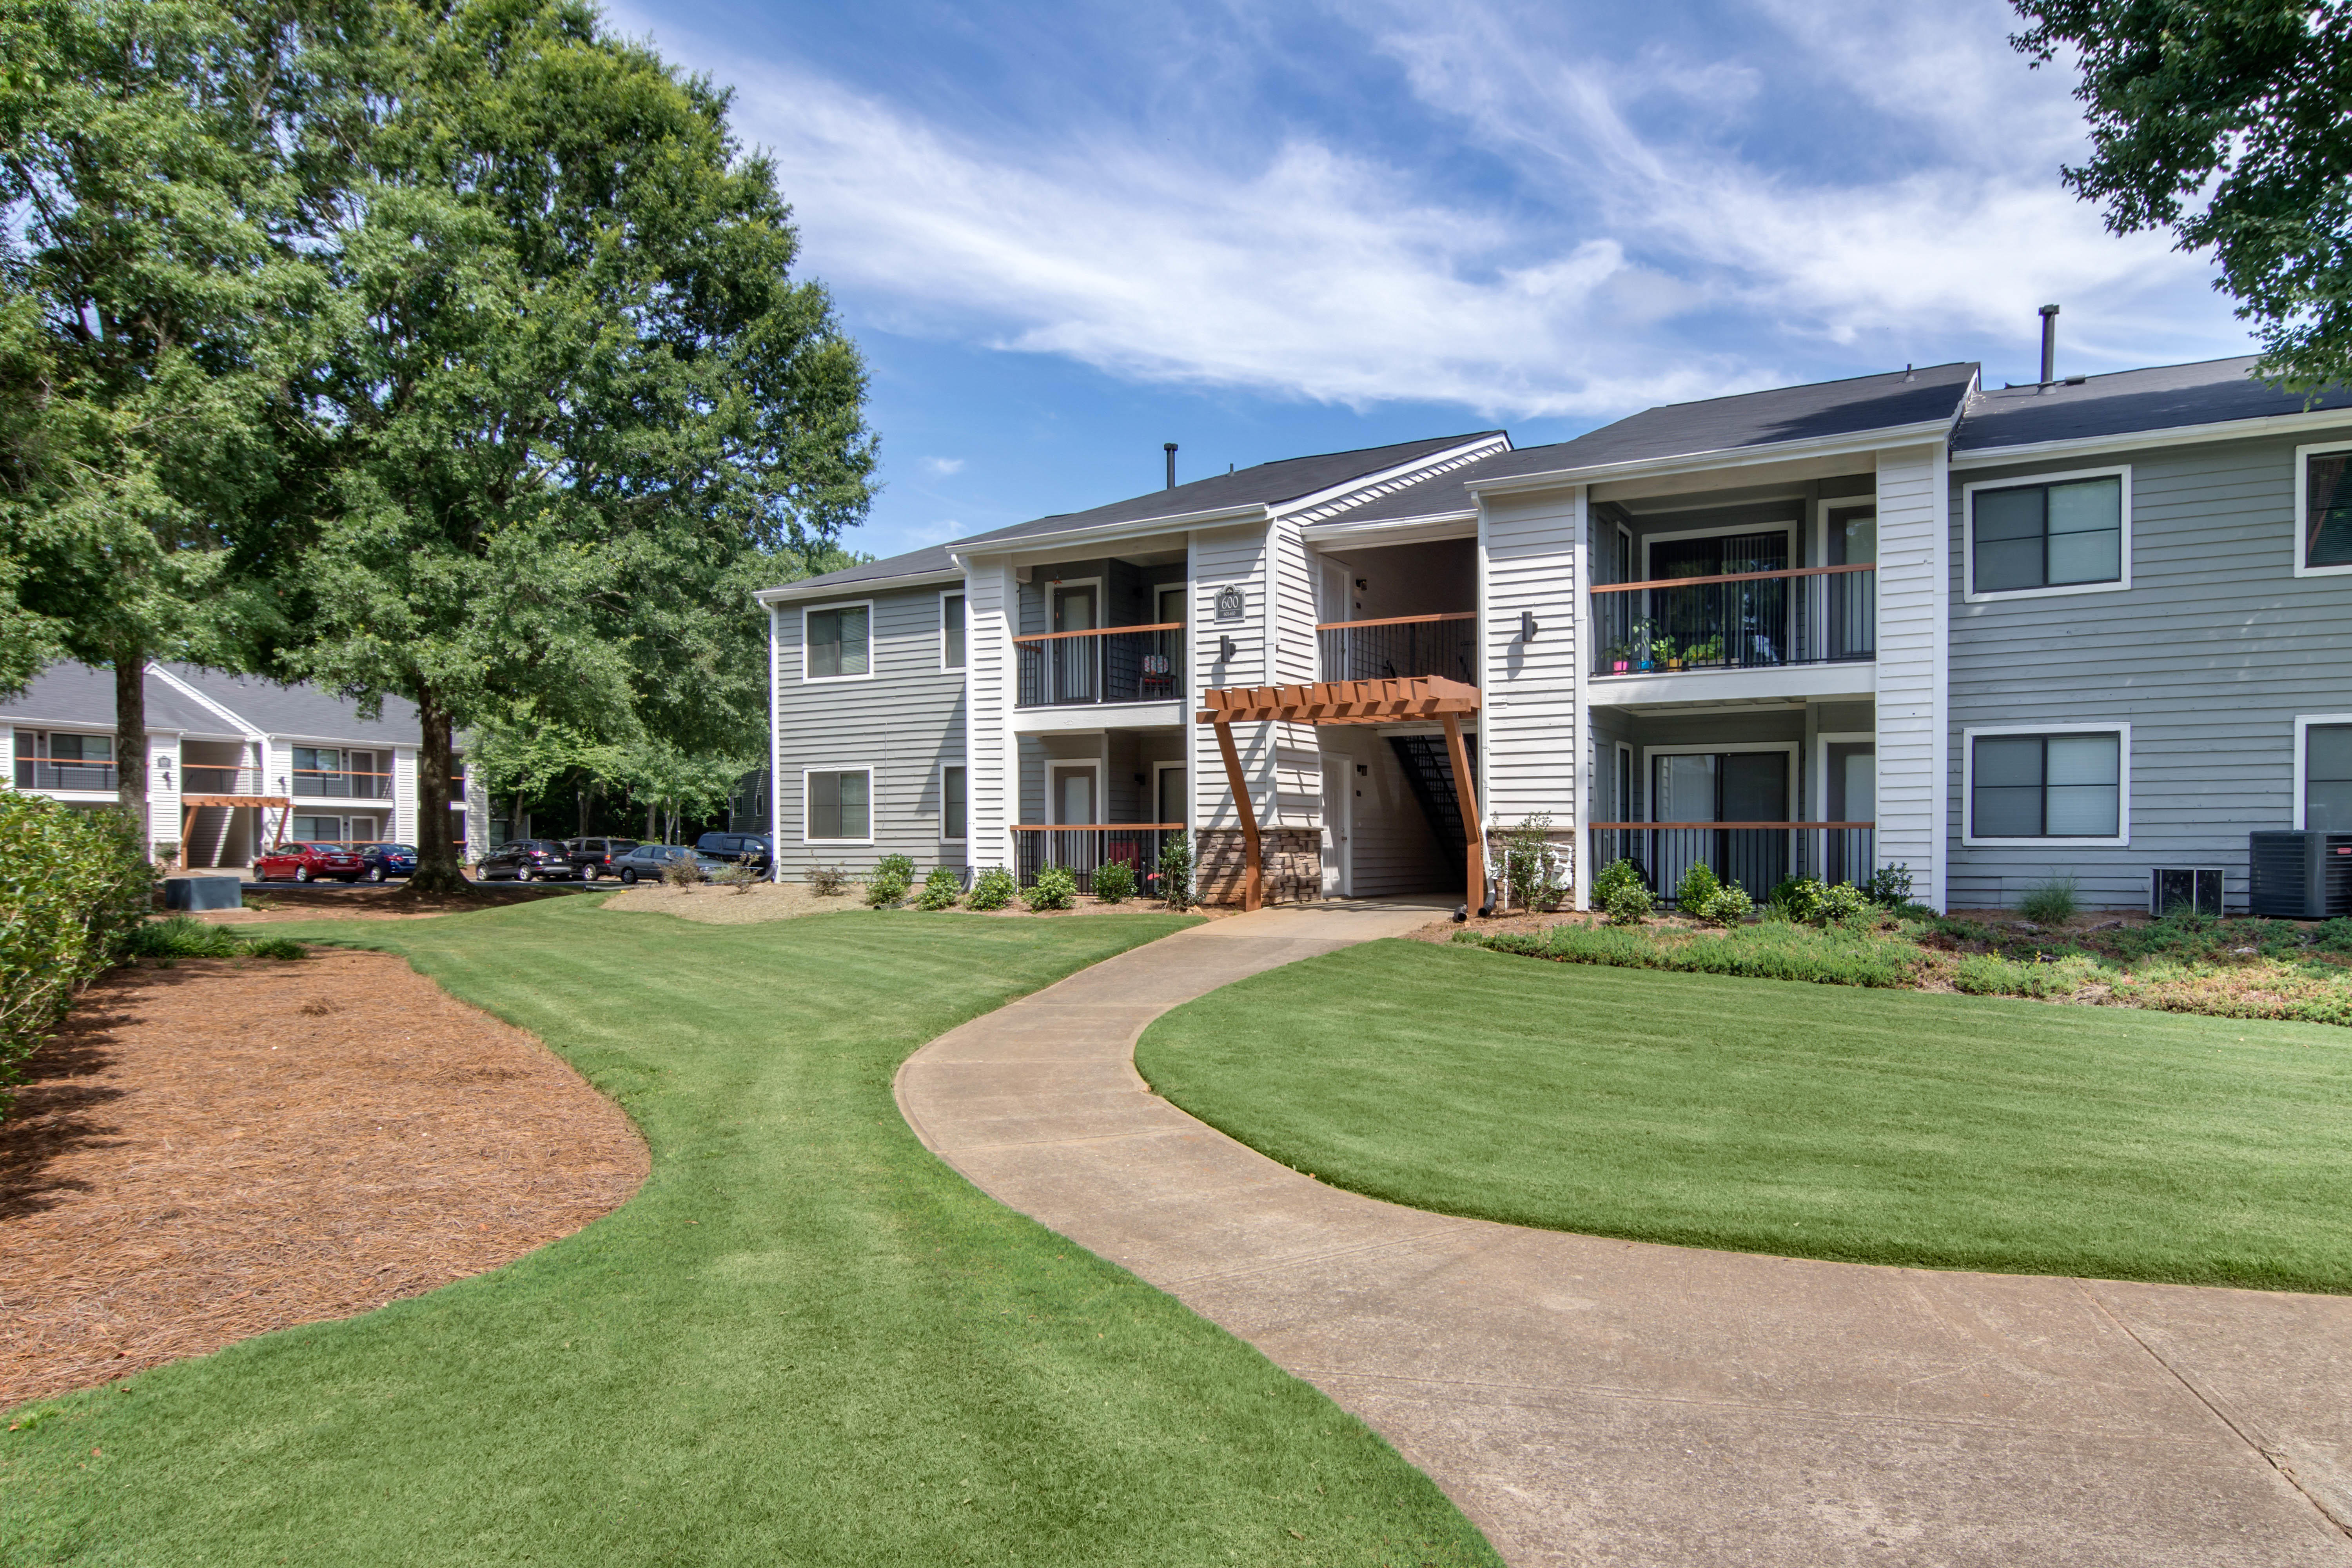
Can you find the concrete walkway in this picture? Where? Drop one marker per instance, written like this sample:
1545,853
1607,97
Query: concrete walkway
1588,1401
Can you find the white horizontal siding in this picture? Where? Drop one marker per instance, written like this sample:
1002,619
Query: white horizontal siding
1912,584
1527,730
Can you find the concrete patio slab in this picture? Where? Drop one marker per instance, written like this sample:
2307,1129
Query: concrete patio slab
1593,1401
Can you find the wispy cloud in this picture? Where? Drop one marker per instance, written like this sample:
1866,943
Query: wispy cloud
1655,223
943,466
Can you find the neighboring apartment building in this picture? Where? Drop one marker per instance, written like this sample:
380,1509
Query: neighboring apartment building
235,763
2093,627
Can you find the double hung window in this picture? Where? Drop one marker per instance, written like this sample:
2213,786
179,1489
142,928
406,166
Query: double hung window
954,803
840,805
2327,778
951,654
2066,533
2063,784
836,643
2324,541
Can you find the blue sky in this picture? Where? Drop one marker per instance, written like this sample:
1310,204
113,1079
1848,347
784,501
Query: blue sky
1065,234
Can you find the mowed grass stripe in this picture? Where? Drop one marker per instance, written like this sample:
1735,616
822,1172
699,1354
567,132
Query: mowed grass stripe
1773,1116
805,1340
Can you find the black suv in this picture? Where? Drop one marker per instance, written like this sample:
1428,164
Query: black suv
594,857
750,848
526,860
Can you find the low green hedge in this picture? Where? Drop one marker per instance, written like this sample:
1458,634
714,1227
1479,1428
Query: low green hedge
74,885
1768,951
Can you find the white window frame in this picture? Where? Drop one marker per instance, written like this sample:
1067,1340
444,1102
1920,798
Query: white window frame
1159,768
1793,750
1627,780
2303,455
1795,533
873,798
1822,741
941,782
2302,723
1053,770
945,668
2019,481
1178,587
872,639
1822,507
2118,728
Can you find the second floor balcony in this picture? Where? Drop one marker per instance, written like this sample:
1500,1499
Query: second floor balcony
1114,664
1401,648
65,774
1745,620
339,784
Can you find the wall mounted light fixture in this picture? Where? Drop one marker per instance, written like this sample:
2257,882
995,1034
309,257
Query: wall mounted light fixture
1527,626
1225,650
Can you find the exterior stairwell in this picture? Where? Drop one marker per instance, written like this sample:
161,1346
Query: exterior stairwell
1430,773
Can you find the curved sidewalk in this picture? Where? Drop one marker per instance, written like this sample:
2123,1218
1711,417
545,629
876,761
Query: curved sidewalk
1590,1401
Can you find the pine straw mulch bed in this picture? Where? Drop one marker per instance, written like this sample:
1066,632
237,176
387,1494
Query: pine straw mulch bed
231,1146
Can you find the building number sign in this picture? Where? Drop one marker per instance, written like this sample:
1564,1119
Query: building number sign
1229,603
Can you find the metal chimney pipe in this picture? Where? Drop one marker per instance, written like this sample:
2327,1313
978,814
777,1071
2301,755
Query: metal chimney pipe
2048,345
1172,465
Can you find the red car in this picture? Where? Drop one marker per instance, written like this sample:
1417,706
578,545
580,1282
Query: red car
309,862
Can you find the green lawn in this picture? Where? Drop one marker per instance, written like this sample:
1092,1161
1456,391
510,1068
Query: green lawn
805,1341
1777,1116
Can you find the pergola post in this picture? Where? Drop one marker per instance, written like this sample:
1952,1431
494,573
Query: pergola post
1253,892
1474,832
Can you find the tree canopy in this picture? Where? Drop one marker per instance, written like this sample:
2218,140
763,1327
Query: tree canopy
2225,121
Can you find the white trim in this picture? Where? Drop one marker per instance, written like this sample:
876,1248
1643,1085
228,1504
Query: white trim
776,748
2169,436
1048,547
1822,740
2025,481
945,668
787,593
1056,766
2123,785
2303,455
1181,766
1791,531
940,778
1578,632
867,674
1940,737
1469,446
1731,457
1821,524
244,727
873,800
1182,589
1381,532
1793,750
1054,585
2302,723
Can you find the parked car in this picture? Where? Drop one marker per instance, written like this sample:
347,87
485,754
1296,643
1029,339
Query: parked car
384,861
592,857
309,863
650,861
526,860
751,848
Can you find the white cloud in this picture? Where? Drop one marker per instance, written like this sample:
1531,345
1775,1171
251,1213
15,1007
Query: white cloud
943,466
1644,255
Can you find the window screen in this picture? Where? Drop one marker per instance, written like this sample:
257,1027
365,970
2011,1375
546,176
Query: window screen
951,631
836,643
2047,787
951,803
2048,536
2327,778
2328,511
837,805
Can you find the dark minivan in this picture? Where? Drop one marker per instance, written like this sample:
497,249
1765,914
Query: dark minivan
594,857
751,848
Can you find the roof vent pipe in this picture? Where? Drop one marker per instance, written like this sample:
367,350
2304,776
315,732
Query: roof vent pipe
1171,448
2048,345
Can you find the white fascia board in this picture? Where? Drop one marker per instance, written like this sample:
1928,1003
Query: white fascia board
1498,441
1393,530
791,591
245,731
342,743
2172,435
1728,458
1050,545
1096,717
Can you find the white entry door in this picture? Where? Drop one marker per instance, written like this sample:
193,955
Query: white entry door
1339,818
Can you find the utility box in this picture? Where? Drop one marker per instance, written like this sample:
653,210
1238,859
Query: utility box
203,893
2194,888
2300,875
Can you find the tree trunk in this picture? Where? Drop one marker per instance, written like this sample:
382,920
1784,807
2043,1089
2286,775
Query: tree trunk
652,827
438,869
130,734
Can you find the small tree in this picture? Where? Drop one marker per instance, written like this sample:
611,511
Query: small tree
1176,871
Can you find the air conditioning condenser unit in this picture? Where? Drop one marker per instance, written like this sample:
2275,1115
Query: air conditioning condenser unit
2300,875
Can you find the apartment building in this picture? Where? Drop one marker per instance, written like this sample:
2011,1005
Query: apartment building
235,763
2092,627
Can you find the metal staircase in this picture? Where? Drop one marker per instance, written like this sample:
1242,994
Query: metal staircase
1430,773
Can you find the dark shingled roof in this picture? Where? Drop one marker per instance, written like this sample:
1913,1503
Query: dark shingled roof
1434,497
77,694
2211,391
1267,484
304,710
1824,409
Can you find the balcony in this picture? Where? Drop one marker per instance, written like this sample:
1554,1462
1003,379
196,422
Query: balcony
1401,647
339,784
1754,855
1749,620
208,778
64,772
1083,849
1116,664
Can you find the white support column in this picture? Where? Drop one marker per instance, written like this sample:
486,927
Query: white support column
1579,600
992,690
776,756
1914,610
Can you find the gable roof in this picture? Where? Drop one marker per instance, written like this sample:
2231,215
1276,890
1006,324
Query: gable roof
83,696
2123,403
1782,416
1274,483
304,710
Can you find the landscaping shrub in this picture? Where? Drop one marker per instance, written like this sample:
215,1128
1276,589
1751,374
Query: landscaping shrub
1699,884
1842,902
1115,882
2051,903
827,881
940,890
1729,905
1531,879
740,877
682,872
1987,975
1056,889
893,874
183,936
1176,872
1778,951
1620,893
1795,899
1890,887
992,890
74,885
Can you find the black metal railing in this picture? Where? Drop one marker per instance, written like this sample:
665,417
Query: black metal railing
220,778
64,772
1749,620
341,783
1085,851
1401,648
1116,664
1755,855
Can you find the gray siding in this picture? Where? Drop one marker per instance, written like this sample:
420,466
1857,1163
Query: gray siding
903,722
2210,655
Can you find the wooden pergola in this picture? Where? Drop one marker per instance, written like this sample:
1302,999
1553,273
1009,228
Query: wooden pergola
1417,699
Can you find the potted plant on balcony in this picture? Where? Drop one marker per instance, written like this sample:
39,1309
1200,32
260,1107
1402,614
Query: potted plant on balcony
1708,651
1667,652
1617,656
